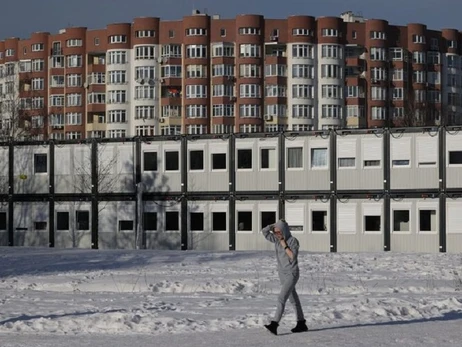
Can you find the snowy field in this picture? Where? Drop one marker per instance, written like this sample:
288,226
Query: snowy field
52,297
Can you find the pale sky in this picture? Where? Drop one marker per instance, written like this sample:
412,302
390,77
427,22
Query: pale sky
19,18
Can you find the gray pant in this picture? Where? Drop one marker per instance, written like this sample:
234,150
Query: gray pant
288,282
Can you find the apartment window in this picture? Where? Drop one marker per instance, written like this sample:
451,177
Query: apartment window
25,66
355,111
378,74
117,77
222,70
117,57
145,52
74,80
294,157
40,163
328,32
398,75
144,92
148,72
117,97
250,50
397,112
433,58
418,39
452,44
249,128
223,110
253,111
196,51
275,70
150,161
172,161
331,111
196,71
331,71
96,98
196,91
196,111
274,90
73,118
378,93
73,135
57,100
116,133
305,51
302,71
379,54
378,113
74,60
398,93
244,158
171,50
434,77
97,78
117,39
167,111
38,84
352,91
302,91
145,33
218,161
57,120
117,116
74,99
319,158
250,91
74,43
223,90
144,130
418,57
222,32
302,127
267,158
276,110
37,47
302,111
9,52
223,50
378,35
38,65
144,112
249,70
196,160
332,51
196,32
249,31
302,32
419,76
39,103
196,129
331,91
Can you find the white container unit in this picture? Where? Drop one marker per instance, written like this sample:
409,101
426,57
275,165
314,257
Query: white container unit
453,160
414,225
73,224
251,217
161,166
208,225
208,168
414,161
116,167
309,221
360,225
359,162
161,225
454,225
117,225
257,164
31,169
31,224
307,164
73,168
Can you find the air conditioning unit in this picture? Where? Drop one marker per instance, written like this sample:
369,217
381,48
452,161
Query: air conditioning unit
161,120
85,85
268,118
162,80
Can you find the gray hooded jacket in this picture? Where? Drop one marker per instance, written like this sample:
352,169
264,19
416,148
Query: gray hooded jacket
285,264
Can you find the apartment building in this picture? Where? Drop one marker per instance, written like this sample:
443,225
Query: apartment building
204,74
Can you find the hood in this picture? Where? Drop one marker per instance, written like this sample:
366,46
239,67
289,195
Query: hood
282,224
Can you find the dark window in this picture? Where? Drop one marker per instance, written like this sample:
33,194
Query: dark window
372,223
82,220
244,158
427,220
244,221
125,225
150,161
150,221
172,220
171,34
400,220
172,162
197,221
219,221
319,220
455,157
40,163
2,220
268,158
222,32
196,160
267,218
40,225
219,161
62,220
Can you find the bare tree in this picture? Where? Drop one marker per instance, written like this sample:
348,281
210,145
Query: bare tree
419,111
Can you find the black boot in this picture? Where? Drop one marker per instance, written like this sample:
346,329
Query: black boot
272,327
300,327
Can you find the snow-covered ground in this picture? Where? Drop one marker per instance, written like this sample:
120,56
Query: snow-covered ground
53,297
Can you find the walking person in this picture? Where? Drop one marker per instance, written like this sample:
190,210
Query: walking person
286,247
